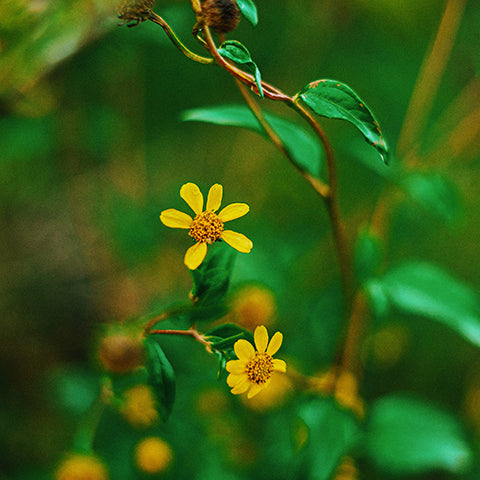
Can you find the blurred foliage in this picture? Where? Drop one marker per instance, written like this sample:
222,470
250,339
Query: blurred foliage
93,148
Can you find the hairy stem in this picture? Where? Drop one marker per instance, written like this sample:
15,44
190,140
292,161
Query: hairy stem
190,333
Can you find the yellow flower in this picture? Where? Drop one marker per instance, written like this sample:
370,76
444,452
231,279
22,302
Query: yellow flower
254,367
207,226
153,455
80,467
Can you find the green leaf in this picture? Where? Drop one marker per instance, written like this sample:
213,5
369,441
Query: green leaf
212,278
407,436
161,377
368,255
237,52
434,192
332,434
304,148
249,10
224,336
333,99
420,288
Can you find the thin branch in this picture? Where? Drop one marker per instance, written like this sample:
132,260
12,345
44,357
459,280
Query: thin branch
190,333
176,41
429,77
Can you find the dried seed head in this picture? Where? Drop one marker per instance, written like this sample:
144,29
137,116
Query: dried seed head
120,353
220,15
135,11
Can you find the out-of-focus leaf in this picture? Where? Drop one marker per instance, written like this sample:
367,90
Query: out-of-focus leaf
212,278
303,147
17,145
424,289
237,52
377,297
332,433
249,10
368,255
161,377
407,436
434,192
333,99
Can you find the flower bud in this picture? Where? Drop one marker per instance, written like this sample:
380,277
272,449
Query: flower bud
78,467
220,15
135,11
121,353
153,455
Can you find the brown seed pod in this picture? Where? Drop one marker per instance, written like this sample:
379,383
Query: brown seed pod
220,15
135,11
120,353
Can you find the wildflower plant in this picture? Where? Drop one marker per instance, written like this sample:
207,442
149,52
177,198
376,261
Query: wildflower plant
329,427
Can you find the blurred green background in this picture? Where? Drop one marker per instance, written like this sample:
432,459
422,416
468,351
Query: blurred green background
92,149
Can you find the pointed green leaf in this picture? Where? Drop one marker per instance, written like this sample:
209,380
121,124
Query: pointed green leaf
224,336
161,377
332,433
212,278
406,436
420,288
304,148
249,10
333,99
237,52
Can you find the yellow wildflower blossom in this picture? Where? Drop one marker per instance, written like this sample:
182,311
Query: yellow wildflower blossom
207,226
255,365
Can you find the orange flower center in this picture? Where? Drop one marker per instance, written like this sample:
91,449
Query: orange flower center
206,227
259,369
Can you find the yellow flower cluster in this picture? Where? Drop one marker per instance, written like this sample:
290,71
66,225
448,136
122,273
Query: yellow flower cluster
139,406
153,455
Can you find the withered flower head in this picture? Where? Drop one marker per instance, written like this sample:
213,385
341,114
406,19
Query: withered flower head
220,15
135,11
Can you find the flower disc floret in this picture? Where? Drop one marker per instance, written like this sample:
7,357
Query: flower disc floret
253,370
207,226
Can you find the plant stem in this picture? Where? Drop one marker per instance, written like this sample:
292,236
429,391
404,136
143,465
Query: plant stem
328,192
320,187
190,333
429,77
176,41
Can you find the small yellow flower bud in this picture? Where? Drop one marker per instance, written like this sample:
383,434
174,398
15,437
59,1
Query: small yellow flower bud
252,306
153,455
81,467
121,353
139,406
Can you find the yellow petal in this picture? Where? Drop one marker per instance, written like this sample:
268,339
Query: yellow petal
275,343
214,198
195,255
261,338
244,350
234,379
233,211
193,196
235,366
256,388
237,240
175,219
241,387
279,365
